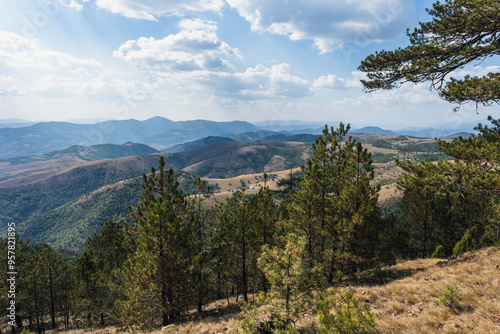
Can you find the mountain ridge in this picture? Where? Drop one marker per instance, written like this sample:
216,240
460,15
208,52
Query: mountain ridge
157,132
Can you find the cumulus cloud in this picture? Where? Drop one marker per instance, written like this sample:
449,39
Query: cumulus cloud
475,71
329,23
30,70
149,9
332,81
195,47
261,83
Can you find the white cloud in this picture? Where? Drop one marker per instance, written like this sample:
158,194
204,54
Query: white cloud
10,85
29,70
332,81
260,83
475,71
406,95
195,47
19,51
149,9
73,4
329,23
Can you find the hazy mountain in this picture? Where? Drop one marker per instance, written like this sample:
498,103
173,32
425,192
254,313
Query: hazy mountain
251,136
374,130
294,125
458,134
88,153
441,131
14,123
157,132
197,143
301,138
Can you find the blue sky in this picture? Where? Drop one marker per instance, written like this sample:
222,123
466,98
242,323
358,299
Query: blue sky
221,60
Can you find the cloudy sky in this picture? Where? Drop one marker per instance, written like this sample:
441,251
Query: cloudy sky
221,60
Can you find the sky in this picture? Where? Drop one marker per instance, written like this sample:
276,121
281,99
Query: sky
221,60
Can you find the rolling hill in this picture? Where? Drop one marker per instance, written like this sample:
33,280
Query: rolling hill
198,143
62,197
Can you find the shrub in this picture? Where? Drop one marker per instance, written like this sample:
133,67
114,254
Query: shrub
451,298
469,242
439,253
248,324
345,315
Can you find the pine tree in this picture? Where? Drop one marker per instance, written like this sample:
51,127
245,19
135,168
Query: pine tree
156,274
442,201
460,32
98,271
336,203
200,239
293,283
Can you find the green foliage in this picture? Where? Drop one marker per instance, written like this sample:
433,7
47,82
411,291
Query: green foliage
451,298
469,242
98,272
383,158
336,207
158,275
43,284
248,323
442,201
292,283
460,32
439,253
346,315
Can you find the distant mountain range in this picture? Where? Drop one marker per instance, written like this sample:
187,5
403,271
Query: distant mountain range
17,140
87,153
373,130
157,132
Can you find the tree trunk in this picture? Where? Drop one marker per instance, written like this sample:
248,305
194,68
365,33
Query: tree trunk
51,290
244,254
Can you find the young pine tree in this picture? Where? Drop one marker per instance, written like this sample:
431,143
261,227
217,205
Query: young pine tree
156,286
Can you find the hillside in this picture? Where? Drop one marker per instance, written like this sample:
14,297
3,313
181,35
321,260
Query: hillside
229,159
404,299
197,143
62,197
65,199
374,130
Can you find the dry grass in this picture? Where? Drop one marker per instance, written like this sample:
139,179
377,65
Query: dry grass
253,184
411,304
404,299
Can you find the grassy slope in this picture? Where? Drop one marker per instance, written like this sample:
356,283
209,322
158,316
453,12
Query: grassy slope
408,301
404,299
411,304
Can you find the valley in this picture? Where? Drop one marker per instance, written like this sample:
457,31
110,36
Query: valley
62,197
